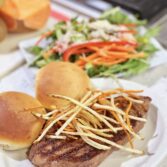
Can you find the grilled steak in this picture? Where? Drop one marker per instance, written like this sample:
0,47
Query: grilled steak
76,153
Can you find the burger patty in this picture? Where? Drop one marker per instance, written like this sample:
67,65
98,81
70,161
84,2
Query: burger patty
76,153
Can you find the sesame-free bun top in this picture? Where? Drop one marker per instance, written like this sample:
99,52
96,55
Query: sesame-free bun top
18,126
60,78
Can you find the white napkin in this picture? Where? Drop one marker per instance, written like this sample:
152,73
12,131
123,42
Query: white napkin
21,80
9,62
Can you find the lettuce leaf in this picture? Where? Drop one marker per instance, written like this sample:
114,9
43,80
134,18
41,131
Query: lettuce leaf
116,16
144,40
131,67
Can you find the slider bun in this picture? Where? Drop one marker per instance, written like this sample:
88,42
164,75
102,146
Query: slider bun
60,78
18,126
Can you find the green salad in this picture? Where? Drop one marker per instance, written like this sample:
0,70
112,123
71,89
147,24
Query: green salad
111,44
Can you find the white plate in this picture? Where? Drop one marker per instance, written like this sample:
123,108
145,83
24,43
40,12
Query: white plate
118,158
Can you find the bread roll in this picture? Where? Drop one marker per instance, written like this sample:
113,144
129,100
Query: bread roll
61,78
19,15
18,126
11,23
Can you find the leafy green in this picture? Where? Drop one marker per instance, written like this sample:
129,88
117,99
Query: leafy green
116,16
144,40
36,50
79,27
37,58
44,62
131,67
148,48
93,71
39,61
58,30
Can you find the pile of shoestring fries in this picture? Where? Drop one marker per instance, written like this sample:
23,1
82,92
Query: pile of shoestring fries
96,118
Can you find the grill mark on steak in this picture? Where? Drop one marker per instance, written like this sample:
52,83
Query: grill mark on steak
89,154
56,148
73,151
76,153
73,146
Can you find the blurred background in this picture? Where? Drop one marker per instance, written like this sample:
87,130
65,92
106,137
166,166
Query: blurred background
24,20
20,27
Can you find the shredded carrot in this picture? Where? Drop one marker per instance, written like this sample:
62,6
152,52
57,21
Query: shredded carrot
45,35
125,54
103,53
94,48
122,48
91,57
107,63
84,50
119,54
129,24
80,62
